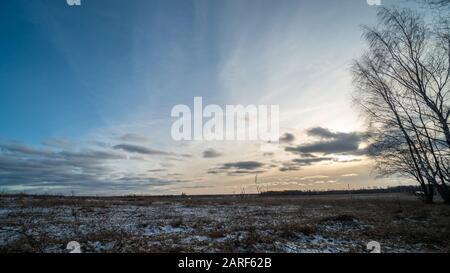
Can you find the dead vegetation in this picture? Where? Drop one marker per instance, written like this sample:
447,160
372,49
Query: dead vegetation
223,224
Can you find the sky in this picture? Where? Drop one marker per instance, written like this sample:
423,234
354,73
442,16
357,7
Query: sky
86,94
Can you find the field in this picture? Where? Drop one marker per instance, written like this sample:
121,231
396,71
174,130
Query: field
337,223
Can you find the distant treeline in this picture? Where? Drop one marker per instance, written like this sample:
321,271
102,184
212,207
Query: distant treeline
397,189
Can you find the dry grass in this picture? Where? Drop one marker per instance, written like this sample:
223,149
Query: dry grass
223,223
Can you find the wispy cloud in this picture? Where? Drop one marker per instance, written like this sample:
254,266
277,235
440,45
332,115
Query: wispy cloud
210,153
330,142
239,168
287,138
133,137
85,170
139,149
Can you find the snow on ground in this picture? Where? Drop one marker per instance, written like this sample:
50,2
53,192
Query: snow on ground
226,224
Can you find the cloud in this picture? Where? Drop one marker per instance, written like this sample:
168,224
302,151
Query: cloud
328,147
297,163
237,168
56,168
350,175
57,143
312,177
131,148
325,182
321,132
157,170
331,143
210,153
86,171
245,165
288,167
90,155
133,137
16,147
310,161
139,149
287,138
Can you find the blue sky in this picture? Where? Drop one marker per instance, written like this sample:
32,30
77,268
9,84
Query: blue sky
79,80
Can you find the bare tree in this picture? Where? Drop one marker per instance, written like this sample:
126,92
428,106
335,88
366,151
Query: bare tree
403,88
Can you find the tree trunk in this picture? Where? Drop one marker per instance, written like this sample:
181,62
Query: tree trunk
429,198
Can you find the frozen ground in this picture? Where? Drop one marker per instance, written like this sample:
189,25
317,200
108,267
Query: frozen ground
399,223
